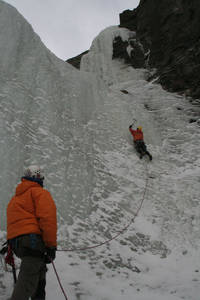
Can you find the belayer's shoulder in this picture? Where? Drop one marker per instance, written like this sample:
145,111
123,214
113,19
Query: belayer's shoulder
39,190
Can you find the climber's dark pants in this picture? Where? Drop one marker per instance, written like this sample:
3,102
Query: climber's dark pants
141,147
31,280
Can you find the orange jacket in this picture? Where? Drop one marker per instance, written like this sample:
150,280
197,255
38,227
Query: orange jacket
137,134
32,210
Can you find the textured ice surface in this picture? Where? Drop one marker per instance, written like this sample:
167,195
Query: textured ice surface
75,124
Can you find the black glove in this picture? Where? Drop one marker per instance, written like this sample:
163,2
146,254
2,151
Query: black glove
131,126
50,254
4,248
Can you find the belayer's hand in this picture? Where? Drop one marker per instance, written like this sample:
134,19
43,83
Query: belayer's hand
131,126
4,250
50,254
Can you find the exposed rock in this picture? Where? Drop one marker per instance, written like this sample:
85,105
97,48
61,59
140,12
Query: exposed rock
75,61
170,33
120,49
131,51
124,91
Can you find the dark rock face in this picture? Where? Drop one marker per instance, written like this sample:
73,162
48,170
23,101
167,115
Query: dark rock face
136,56
119,49
169,32
75,61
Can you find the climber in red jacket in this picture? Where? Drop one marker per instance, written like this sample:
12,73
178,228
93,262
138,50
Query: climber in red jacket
138,139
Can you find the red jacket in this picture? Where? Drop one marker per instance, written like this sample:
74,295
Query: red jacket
32,210
137,134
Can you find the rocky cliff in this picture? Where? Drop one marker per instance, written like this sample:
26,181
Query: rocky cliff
75,61
166,41
169,32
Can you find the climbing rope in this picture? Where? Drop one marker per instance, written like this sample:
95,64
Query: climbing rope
107,241
59,281
9,259
119,232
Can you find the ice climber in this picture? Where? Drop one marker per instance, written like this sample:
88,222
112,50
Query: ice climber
139,144
31,234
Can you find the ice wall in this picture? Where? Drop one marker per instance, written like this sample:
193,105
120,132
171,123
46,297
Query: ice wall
45,106
99,59
75,124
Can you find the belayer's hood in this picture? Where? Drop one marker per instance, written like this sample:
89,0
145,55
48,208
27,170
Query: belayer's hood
24,186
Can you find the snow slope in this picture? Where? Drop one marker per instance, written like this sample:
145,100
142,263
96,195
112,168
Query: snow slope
75,124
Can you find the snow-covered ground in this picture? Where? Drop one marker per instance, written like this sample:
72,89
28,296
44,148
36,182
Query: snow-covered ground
75,124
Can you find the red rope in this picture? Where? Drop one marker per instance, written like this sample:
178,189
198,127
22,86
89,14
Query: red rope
59,281
9,259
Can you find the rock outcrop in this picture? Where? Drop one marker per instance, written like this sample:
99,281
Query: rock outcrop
169,32
131,51
76,61
167,41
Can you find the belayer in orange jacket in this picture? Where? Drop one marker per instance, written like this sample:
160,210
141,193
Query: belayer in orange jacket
31,233
138,139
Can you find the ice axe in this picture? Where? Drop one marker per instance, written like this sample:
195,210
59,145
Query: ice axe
134,121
